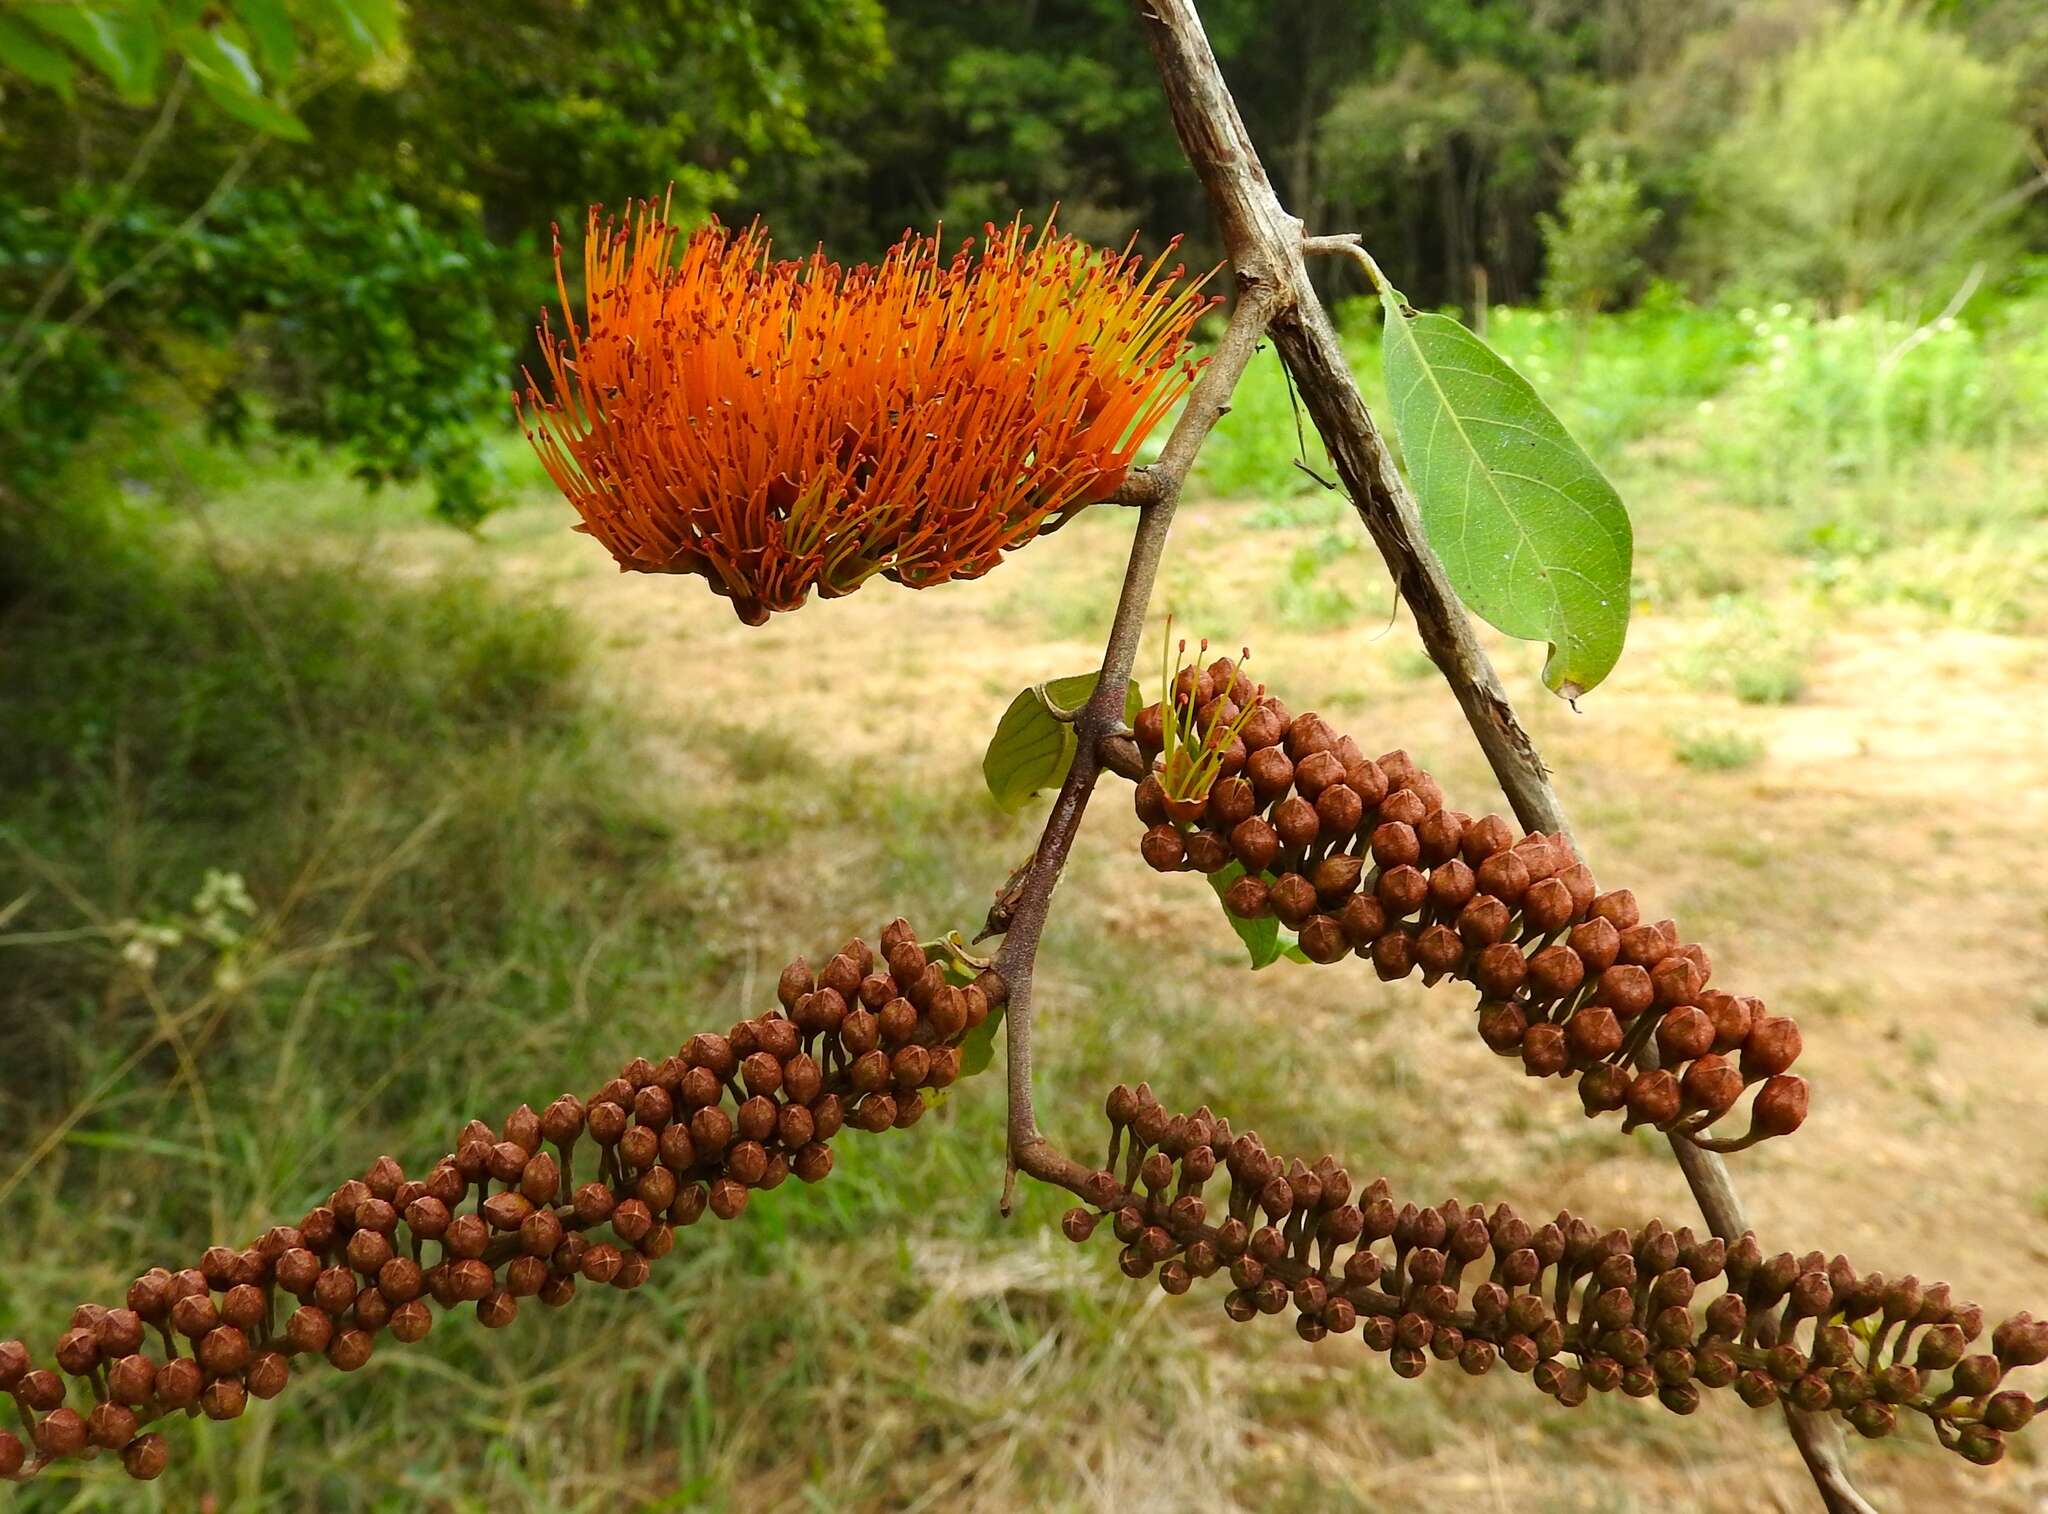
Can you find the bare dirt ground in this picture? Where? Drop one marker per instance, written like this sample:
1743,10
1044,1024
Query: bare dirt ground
1872,873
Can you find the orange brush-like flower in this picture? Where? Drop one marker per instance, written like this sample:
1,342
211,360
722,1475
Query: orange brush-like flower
779,425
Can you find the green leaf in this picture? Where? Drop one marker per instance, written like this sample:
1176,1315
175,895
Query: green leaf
1532,534
253,110
217,57
120,42
33,58
270,29
1261,937
368,27
979,1049
1031,751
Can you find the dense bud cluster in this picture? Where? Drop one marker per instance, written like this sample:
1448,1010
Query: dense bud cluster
504,1218
1650,1313
1361,856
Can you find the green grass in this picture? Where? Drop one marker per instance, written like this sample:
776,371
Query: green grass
1716,749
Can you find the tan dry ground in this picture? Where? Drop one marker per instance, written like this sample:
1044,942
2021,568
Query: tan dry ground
1869,875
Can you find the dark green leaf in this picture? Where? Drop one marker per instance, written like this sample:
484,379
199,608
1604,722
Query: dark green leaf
979,1049
33,58
1261,937
253,110
1031,751
270,29
120,42
1532,534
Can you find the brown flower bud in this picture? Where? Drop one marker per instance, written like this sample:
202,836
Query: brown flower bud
1544,1051
350,1350
1499,970
2008,1412
62,1433
1231,800
111,1426
501,1211
1625,989
1339,811
1593,1034
1504,875
1322,939
1711,1084
1247,898
223,1350
1773,1044
1163,849
1731,1018
1485,836
1292,898
1555,972
1644,946
1336,877
1441,834
1597,944
1484,922
194,1315
1296,822
1402,891
1393,955
1683,1033
1316,772
1438,949
1362,919
2021,1341
1780,1106
78,1352
310,1328
1653,1099
1546,905
1676,980
1395,845
1308,734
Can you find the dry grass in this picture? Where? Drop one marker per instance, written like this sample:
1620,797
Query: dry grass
885,1342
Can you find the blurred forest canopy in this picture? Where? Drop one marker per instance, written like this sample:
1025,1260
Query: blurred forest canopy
328,220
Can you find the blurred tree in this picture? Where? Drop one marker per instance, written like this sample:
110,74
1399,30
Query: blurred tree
352,257
1593,245
1880,153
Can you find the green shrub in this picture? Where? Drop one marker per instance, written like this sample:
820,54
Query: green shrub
1593,246
1874,156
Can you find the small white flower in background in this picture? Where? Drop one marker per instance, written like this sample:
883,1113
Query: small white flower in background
221,897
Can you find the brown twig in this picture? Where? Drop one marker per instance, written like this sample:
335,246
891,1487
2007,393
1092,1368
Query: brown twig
1258,232
1102,719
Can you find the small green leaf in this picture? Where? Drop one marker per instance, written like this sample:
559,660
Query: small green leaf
253,110
1031,751
367,26
219,58
270,29
33,58
120,42
979,1049
1532,534
1261,937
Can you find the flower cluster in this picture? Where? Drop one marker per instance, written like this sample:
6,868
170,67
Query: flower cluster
781,425
1360,855
502,1218
1579,1310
